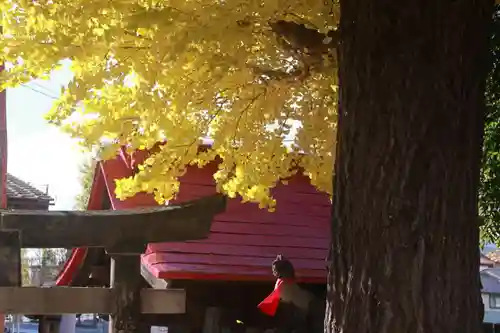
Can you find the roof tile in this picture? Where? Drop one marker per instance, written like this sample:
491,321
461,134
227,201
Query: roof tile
18,189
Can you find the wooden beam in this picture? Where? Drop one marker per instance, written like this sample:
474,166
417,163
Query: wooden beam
110,229
60,300
152,280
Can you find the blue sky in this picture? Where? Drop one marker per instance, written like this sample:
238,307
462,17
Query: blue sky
38,152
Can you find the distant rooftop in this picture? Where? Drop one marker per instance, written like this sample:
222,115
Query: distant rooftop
485,260
494,255
490,279
21,190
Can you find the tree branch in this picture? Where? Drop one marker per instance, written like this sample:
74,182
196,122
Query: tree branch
306,45
306,40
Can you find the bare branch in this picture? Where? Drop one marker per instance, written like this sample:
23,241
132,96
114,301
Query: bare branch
278,75
305,40
306,45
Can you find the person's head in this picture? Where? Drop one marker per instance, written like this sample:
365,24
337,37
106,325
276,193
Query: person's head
283,268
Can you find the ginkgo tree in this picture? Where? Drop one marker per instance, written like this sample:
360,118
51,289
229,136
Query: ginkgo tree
257,78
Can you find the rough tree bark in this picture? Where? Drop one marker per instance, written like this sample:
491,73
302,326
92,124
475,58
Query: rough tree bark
404,254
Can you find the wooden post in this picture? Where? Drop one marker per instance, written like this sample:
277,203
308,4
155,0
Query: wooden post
127,280
10,258
49,324
43,325
10,263
212,320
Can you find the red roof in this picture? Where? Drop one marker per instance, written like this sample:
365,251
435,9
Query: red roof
244,240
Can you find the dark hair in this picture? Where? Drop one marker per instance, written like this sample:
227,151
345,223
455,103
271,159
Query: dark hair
283,268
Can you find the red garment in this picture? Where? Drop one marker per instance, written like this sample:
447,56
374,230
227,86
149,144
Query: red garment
270,304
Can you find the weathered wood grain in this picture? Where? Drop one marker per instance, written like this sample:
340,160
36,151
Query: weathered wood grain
126,281
152,280
67,229
10,258
60,300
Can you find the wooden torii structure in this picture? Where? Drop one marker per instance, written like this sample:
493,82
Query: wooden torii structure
124,235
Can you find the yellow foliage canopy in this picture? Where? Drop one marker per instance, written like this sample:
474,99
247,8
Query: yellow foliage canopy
243,73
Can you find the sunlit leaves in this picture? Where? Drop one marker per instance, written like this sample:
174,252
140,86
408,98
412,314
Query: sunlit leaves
146,70
489,191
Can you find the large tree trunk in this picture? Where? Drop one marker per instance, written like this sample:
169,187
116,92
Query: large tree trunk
404,254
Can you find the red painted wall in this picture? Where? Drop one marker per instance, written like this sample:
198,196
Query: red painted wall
245,239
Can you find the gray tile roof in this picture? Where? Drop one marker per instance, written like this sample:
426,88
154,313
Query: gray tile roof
490,279
18,189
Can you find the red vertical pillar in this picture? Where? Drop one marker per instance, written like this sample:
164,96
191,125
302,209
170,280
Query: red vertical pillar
3,163
3,147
